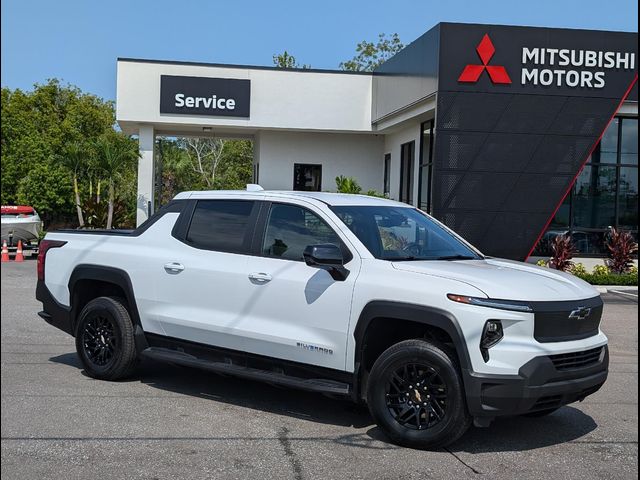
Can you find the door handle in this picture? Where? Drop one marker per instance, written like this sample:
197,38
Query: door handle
173,268
260,277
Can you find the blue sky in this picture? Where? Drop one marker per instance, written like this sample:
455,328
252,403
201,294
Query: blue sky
79,40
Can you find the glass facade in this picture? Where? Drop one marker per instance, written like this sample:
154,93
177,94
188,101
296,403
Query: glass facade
426,166
605,194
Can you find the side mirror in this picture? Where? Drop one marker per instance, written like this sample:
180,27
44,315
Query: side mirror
326,257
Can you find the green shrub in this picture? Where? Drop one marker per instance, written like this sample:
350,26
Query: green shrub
578,269
601,270
601,275
626,279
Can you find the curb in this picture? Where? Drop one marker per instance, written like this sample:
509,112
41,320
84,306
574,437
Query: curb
622,289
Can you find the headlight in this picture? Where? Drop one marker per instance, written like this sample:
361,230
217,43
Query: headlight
491,303
491,334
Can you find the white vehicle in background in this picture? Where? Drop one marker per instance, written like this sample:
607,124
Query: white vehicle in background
20,223
342,294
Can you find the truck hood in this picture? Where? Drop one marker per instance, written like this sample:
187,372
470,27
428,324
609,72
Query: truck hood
506,279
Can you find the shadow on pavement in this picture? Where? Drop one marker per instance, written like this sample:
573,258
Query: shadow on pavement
517,434
504,435
313,407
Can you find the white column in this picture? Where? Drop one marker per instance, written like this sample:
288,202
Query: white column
146,173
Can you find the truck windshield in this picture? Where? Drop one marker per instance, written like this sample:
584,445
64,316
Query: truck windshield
400,233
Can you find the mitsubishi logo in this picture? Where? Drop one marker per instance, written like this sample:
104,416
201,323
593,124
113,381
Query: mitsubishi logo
497,73
580,313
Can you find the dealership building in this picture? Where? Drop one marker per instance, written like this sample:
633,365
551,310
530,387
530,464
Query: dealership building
509,135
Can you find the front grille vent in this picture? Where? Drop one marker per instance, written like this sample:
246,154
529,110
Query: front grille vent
576,360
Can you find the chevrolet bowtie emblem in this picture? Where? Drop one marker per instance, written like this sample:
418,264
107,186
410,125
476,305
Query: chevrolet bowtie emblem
580,313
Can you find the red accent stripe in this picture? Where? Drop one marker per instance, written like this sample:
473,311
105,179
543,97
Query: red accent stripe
593,147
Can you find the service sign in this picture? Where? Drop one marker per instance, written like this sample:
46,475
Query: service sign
213,97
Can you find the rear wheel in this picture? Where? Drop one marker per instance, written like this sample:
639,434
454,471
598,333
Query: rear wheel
416,397
104,339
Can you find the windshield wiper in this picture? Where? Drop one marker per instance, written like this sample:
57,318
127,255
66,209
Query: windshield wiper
457,257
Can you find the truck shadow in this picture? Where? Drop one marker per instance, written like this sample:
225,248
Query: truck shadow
513,434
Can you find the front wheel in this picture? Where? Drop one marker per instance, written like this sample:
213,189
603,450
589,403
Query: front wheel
416,397
104,339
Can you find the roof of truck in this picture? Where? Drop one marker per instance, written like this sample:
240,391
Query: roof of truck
334,199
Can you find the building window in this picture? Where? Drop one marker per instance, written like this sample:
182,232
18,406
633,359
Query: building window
426,166
387,174
605,194
307,177
407,151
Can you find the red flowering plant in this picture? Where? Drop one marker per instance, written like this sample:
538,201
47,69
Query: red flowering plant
563,251
622,247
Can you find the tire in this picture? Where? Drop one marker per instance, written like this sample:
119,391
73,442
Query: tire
104,339
541,413
436,421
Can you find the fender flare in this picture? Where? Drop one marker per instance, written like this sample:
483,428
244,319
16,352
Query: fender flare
115,276
422,314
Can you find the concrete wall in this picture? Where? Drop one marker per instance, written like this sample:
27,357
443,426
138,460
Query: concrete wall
298,100
351,155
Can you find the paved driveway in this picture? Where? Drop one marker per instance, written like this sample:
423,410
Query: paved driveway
172,422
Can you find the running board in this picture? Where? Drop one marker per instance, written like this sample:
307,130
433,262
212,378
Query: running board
310,384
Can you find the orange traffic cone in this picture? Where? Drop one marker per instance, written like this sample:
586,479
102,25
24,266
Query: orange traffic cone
5,252
19,256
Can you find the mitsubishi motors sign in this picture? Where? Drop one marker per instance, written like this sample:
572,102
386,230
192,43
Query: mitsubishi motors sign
536,60
519,112
571,67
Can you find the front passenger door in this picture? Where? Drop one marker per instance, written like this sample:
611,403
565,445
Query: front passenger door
297,312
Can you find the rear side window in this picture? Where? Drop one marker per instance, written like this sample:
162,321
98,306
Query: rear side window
220,225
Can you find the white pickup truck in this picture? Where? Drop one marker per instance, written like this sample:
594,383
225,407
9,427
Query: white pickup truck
341,294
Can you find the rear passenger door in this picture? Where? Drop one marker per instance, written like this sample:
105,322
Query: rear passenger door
202,285
296,312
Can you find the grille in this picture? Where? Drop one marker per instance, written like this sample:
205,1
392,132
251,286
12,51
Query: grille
554,323
547,402
575,360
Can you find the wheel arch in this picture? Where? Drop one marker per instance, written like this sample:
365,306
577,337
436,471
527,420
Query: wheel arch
420,317
89,281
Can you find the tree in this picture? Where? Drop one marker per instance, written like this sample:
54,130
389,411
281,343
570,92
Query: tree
76,158
116,153
205,155
370,55
37,129
285,60
46,188
236,170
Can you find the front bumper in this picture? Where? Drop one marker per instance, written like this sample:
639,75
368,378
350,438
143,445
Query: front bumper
543,383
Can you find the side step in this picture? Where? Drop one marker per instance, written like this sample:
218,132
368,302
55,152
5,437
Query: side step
310,384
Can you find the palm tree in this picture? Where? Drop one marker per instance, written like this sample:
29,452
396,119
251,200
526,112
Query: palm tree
75,158
116,152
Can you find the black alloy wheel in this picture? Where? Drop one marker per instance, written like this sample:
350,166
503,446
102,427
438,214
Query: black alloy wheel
104,339
99,340
416,396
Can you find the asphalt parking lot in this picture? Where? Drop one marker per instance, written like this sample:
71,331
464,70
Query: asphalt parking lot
170,422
